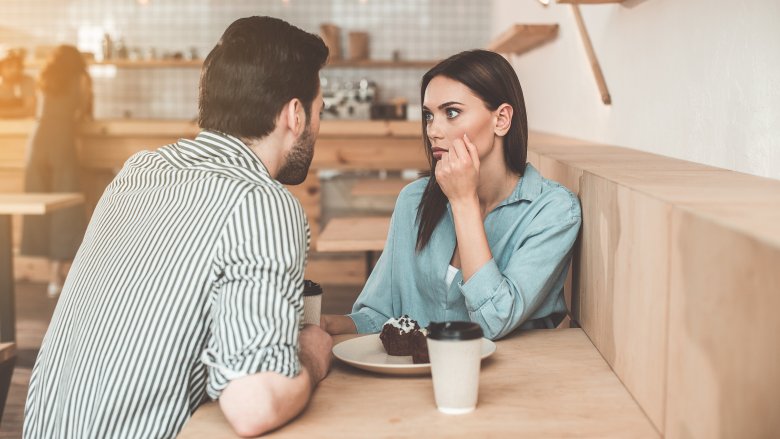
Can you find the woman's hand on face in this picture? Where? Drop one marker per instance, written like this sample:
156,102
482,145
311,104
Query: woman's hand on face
457,172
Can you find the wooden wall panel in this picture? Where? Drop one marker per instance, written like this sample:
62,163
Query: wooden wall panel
623,285
724,353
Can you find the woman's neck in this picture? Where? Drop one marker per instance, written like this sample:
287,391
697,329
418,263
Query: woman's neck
496,182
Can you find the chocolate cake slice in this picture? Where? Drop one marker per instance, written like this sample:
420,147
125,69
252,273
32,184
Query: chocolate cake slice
403,337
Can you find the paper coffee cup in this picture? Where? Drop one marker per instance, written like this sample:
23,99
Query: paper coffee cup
312,302
455,352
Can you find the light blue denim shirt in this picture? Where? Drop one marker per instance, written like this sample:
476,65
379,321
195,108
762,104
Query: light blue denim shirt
531,234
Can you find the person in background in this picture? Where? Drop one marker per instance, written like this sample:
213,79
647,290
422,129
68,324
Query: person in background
188,285
484,237
17,90
52,164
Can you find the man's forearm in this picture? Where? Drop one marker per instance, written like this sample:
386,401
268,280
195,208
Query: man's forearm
263,402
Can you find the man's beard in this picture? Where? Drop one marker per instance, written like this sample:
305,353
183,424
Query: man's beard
298,160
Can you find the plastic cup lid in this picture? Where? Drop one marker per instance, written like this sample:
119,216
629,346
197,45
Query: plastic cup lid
311,288
454,331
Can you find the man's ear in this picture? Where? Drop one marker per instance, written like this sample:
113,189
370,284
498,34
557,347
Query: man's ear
296,116
503,119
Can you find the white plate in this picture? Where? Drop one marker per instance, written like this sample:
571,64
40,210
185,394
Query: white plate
367,353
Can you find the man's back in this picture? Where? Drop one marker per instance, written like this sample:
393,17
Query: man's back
167,296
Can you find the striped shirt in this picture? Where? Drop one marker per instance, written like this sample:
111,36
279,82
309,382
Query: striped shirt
190,275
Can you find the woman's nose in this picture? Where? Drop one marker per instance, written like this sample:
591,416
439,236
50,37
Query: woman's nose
434,131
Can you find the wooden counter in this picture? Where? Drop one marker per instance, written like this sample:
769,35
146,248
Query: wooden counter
106,144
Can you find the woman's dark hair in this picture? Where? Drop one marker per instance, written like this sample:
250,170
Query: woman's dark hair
258,65
493,79
64,68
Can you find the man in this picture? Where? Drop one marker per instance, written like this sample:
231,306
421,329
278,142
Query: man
188,283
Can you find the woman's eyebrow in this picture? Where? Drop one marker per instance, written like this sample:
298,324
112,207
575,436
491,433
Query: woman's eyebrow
446,104
449,103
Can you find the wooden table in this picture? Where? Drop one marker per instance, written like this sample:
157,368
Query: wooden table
544,383
351,234
27,204
10,204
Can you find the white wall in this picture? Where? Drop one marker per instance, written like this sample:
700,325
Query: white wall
692,79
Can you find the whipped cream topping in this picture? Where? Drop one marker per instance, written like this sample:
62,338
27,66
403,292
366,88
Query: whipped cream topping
404,323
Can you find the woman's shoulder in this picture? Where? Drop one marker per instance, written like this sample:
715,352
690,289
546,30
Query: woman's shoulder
556,197
408,200
413,191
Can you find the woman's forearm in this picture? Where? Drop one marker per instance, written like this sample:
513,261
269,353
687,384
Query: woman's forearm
473,247
336,324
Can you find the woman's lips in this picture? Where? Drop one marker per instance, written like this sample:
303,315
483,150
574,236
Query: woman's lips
438,152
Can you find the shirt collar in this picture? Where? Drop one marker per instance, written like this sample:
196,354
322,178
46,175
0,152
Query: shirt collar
528,187
226,145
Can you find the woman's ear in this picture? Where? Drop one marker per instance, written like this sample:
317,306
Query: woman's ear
503,119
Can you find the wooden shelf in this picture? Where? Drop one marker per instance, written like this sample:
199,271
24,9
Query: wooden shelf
149,64
134,64
521,38
197,63
383,64
589,2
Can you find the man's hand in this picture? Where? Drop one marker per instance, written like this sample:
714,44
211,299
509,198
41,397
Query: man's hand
315,352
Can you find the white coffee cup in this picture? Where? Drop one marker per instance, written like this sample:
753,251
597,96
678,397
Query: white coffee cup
455,351
312,302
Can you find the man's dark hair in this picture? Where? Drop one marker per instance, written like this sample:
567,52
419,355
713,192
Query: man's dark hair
258,65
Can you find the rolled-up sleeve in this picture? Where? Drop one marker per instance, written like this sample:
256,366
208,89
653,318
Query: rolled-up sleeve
500,301
256,303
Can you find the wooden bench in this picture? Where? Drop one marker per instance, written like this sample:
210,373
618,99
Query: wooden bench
676,283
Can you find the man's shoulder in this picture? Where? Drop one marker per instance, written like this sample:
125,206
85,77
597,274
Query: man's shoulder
273,196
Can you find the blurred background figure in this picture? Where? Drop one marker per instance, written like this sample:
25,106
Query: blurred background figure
64,100
17,90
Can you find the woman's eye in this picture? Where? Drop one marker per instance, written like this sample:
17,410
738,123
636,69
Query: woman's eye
427,116
451,113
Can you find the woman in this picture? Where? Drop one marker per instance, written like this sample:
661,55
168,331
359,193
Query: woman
52,166
17,90
484,237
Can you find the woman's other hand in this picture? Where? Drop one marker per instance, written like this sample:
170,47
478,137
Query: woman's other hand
336,324
457,172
